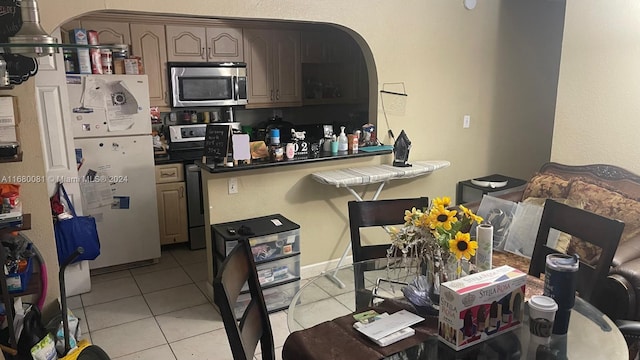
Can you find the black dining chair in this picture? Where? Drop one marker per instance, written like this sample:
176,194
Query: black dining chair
377,213
591,228
374,213
254,326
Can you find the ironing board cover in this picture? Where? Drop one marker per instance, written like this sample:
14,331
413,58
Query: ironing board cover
377,173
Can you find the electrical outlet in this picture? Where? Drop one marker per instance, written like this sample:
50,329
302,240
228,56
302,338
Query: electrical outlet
466,121
233,185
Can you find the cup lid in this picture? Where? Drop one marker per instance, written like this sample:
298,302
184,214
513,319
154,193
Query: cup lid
543,303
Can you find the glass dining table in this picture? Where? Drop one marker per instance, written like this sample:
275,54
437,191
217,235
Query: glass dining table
321,303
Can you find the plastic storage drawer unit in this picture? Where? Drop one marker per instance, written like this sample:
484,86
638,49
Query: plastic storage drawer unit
271,237
275,244
276,298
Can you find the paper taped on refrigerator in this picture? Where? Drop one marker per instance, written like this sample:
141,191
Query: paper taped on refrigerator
109,105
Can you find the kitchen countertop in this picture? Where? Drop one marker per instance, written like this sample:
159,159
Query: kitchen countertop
259,164
166,159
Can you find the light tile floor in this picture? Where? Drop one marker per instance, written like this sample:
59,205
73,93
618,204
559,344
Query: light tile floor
159,312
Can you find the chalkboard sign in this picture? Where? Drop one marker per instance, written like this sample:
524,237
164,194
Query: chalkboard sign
216,143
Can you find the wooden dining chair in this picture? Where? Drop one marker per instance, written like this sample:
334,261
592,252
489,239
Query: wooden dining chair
237,269
374,213
589,227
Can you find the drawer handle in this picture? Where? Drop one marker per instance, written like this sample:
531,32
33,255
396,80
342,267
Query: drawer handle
167,174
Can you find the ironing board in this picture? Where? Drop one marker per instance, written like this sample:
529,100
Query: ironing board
377,174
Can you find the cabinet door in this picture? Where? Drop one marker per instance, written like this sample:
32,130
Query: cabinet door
258,58
109,32
314,48
172,212
149,42
186,43
224,44
286,67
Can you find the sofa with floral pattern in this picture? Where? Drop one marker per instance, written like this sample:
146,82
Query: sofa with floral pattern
606,190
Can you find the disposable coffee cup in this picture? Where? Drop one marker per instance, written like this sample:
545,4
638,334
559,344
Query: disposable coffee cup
542,312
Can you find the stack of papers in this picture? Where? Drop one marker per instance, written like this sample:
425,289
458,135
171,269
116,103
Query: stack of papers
388,329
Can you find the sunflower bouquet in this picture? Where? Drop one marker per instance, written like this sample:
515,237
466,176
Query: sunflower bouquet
438,235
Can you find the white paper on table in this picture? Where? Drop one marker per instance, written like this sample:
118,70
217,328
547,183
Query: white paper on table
121,107
390,324
7,115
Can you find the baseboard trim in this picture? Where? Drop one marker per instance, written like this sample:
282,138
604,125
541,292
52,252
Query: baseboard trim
317,269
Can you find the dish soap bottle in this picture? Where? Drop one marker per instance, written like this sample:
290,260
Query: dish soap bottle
343,141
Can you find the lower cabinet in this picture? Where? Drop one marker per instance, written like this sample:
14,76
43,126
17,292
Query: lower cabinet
172,204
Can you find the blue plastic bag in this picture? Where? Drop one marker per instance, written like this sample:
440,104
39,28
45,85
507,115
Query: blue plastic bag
78,231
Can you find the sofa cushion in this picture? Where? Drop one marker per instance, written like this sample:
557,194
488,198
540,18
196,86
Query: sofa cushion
607,203
546,186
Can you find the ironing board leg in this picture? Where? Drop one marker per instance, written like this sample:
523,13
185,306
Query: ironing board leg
332,276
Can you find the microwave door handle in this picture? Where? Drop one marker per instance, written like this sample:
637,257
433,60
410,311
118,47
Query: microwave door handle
236,87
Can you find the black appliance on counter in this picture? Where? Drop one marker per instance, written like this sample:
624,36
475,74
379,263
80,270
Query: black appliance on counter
186,145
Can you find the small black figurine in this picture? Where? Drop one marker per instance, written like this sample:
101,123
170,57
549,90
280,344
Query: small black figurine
401,150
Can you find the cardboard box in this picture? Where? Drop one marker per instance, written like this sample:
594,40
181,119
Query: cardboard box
133,66
79,36
480,306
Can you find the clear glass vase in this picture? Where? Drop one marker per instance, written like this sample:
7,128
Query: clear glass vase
440,268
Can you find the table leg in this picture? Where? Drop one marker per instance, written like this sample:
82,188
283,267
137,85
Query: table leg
332,276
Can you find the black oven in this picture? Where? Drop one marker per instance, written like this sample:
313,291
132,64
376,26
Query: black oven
186,144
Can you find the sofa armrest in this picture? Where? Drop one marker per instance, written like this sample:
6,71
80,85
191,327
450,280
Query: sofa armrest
515,196
619,292
627,251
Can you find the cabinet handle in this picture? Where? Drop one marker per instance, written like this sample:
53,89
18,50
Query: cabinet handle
271,94
209,51
181,192
202,54
278,94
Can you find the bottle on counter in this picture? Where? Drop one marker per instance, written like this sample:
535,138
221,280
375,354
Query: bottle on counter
356,141
276,151
343,141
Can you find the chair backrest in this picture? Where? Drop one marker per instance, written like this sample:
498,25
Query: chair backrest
377,213
589,227
237,269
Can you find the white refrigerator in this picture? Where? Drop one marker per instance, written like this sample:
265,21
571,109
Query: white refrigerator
114,153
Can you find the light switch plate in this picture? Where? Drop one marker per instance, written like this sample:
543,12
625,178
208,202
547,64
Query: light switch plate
233,186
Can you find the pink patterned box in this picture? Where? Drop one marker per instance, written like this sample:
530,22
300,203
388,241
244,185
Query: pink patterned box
480,306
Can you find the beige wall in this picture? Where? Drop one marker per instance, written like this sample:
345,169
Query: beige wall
497,63
597,109
33,195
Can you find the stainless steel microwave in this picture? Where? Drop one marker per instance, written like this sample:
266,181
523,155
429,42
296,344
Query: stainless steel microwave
207,84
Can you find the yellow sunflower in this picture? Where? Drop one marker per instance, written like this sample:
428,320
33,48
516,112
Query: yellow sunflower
471,215
410,216
462,246
440,216
444,201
